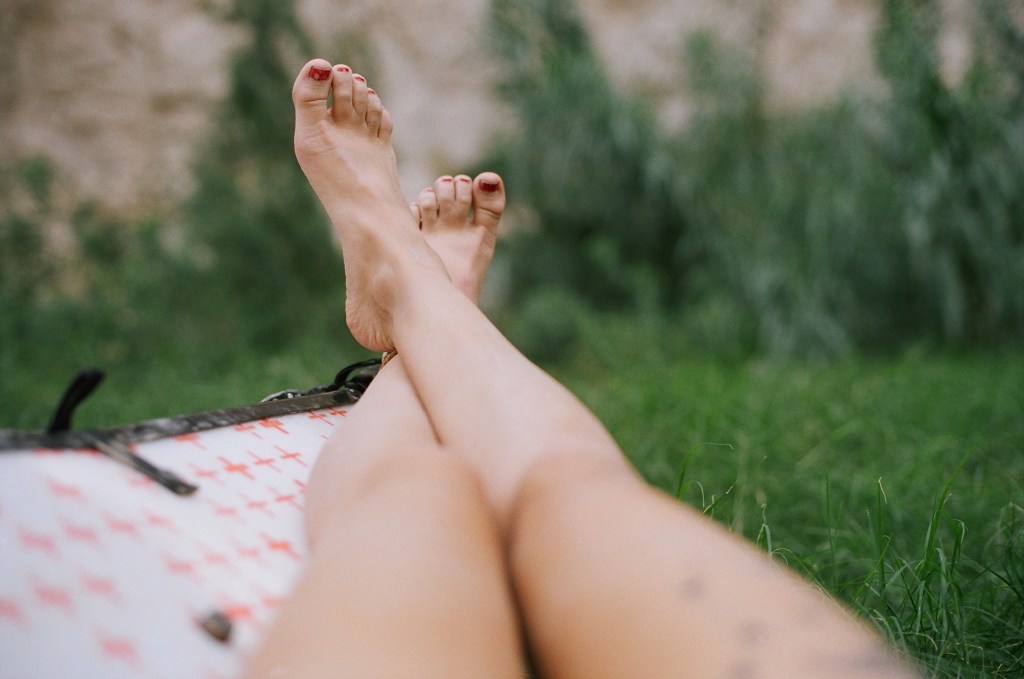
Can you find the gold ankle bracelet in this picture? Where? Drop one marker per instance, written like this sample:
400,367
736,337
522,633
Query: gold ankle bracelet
388,355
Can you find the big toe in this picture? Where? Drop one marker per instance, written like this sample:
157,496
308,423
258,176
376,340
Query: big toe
488,200
309,93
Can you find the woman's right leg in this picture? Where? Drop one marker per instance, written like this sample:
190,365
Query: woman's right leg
616,579
613,579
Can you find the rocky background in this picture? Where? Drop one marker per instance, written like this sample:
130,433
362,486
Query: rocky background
119,93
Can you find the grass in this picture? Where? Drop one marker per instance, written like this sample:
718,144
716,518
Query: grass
897,484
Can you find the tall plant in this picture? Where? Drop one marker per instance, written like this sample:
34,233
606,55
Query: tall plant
590,162
958,155
869,223
253,215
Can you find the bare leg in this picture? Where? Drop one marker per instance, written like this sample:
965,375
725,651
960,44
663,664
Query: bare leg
458,217
407,575
613,579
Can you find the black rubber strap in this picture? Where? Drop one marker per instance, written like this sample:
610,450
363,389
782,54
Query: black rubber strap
84,384
116,443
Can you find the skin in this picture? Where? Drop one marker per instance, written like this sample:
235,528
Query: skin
472,489
402,518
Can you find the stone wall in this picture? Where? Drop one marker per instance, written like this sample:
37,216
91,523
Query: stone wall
119,92
116,92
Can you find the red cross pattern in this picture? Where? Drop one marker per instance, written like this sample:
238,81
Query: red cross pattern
281,546
138,480
190,438
50,595
95,550
282,498
249,552
65,490
273,424
103,586
291,455
226,511
11,611
256,505
179,566
203,474
321,416
160,521
118,648
236,468
213,558
80,533
38,541
121,526
248,427
268,462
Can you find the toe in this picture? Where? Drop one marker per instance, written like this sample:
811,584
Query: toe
426,204
387,126
374,112
488,200
360,96
309,93
342,108
463,198
444,187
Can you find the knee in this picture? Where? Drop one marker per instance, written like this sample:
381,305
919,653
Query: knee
564,482
428,478
358,471
432,474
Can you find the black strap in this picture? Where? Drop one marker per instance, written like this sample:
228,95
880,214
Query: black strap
348,386
84,384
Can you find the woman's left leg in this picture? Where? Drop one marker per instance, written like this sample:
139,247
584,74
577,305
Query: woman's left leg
406,575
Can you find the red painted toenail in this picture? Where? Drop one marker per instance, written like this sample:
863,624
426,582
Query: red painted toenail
369,91
489,187
463,179
343,69
359,78
446,179
317,73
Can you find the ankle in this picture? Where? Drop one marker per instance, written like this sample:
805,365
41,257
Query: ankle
365,203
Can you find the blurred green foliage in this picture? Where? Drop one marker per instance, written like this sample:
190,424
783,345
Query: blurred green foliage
871,223
242,288
270,256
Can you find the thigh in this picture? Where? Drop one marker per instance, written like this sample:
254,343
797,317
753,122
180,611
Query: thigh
407,580
616,579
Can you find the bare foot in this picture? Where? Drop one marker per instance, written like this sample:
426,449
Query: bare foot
345,152
459,219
